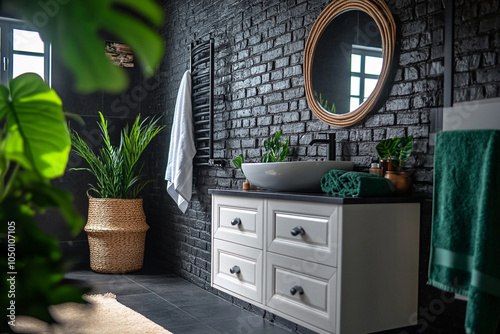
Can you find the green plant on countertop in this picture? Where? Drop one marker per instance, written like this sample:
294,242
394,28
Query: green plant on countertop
276,151
397,150
117,168
238,161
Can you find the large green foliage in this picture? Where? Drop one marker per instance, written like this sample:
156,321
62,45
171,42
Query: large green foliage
117,168
74,28
36,133
35,142
34,148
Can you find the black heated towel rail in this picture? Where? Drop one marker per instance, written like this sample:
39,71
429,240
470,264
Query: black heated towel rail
202,76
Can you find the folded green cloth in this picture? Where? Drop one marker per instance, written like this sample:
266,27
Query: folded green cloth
355,184
465,244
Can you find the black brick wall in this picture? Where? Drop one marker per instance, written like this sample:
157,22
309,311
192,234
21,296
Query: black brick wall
260,89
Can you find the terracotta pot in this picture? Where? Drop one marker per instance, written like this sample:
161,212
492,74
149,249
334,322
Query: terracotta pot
401,181
248,186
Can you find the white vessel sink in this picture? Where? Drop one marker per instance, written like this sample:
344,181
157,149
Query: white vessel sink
291,175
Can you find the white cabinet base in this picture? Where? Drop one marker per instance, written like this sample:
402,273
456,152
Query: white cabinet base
352,269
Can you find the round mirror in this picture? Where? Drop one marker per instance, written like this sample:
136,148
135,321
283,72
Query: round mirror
347,60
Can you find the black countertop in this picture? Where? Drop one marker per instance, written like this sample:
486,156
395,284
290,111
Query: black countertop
314,197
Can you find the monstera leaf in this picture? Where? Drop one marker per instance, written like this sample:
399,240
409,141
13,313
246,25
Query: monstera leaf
75,29
37,136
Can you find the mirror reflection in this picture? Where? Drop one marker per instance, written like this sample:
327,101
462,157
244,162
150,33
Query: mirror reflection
347,62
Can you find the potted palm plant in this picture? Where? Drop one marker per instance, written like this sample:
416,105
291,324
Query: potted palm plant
116,225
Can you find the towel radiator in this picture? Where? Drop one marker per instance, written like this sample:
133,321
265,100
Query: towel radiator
202,76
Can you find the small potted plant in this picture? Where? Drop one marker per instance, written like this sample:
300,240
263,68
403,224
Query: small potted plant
237,163
275,151
395,152
116,225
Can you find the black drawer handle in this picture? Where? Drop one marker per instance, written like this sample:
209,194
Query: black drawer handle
236,221
235,270
297,230
296,289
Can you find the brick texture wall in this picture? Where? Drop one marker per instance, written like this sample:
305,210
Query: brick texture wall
259,90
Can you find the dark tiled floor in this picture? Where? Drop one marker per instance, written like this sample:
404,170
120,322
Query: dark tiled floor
177,305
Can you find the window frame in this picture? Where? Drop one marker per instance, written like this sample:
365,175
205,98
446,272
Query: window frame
363,51
7,26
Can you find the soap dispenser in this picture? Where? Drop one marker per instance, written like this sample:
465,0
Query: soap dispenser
375,168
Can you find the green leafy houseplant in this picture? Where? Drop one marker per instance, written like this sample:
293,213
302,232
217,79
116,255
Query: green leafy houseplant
34,149
117,168
238,161
35,142
275,150
119,182
397,150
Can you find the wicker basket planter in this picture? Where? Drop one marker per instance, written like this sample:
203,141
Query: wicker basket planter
116,229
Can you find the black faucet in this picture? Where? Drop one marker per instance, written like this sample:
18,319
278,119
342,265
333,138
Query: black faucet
331,155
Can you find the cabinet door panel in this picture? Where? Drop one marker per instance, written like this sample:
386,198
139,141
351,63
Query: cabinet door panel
319,223
316,305
238,269
238,220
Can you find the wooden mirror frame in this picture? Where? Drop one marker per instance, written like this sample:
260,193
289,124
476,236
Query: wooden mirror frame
380,13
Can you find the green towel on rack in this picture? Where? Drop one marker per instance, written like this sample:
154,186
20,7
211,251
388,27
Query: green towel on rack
465,246
355,184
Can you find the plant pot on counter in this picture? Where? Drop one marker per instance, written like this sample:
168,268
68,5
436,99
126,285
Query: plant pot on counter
116,229
401,181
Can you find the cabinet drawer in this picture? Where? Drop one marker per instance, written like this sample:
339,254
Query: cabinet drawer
238,220
319,222
317,304
238,269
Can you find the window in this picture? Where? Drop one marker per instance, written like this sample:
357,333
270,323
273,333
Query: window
366,65
22,50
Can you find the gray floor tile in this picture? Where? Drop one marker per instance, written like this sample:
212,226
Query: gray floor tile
146,302
215,312
193,329
182,298
170,318
251,324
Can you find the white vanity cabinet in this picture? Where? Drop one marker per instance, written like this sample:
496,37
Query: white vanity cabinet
332,265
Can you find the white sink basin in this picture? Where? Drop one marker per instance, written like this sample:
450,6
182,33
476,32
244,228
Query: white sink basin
291,175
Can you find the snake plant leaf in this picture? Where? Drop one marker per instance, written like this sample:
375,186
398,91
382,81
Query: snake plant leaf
38,136
76,29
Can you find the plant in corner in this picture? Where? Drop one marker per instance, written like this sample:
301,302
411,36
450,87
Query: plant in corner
117,241
397,151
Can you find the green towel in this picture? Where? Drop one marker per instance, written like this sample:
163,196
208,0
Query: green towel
355,184
465,246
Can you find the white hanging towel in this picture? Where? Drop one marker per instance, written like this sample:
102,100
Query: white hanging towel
179,173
